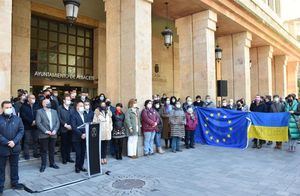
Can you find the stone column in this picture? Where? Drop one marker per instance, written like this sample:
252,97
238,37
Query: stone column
292,77
280,83
197,54
21,45
5,49
241,62
226,67
128,50
264,76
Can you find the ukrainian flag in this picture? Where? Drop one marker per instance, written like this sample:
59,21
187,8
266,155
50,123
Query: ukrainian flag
269,126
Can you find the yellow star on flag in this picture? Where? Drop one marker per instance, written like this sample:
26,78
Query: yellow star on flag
217,141
211,137
228,135
212,115
205,125
206,118
230,128
224,116
206,132
229,122
224,140
219,114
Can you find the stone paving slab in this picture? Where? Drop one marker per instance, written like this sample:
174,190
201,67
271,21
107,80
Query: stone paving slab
206,170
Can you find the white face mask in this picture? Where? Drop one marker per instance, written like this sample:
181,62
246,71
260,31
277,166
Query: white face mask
224,104
189,102
157,106
67,102
101,98
8,111
55,94
276,99
168,102
81,109
178,105
190,110
149,106
32,101
83,97
135,105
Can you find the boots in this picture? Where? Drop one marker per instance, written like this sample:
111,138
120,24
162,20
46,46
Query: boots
160,150
166,143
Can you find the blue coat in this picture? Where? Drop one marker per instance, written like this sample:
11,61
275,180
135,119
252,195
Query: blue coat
10,129
76,121
89,116
28,114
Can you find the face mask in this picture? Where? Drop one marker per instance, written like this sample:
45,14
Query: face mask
55,94
48,105
118,109
224,104
108,103
135,105
87,107
168,102
190,110
23,98
81,109
276,99
103,107
101,98
149,105
257,99
208,100
83,97
173,100
68,102
290,100
198,101
32,101
189,103
48,96
178,105
8,111
157,106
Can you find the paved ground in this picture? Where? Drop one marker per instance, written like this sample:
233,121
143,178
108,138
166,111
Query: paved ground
205,170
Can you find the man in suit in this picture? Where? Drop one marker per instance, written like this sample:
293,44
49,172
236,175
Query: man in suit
78,118
88,111
28,114
11,133
48,123
64,114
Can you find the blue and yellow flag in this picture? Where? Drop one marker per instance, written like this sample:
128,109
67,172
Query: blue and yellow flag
222,127
269,126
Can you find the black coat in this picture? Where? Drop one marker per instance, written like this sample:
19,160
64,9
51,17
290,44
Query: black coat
28,114
76,121
89,116
261,107
10,129
64,116
198,104
118,125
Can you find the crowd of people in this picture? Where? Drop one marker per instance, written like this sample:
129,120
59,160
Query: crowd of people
44,121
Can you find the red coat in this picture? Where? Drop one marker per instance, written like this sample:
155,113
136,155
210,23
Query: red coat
149,118
191,123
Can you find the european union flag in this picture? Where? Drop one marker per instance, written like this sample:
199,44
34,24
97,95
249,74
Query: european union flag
222,127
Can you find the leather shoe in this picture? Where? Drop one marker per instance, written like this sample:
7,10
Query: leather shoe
54,166
83,169
71,161
77,170
64,162
42,169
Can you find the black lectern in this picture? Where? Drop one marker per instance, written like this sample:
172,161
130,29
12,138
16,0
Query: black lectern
93,138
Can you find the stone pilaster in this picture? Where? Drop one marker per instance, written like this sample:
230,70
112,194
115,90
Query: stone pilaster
280,81
20,77
264,75
5,49
292,77
241,62
197,54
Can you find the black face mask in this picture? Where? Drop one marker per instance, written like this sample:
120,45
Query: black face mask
48,97
108,103
290,100
103,108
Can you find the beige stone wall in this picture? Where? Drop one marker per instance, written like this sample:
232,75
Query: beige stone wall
20,77
5,49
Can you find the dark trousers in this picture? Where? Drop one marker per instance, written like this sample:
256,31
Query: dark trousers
66,145
118,144
14,169
258,141
80,149
189,138
31,135
47,146
104,144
